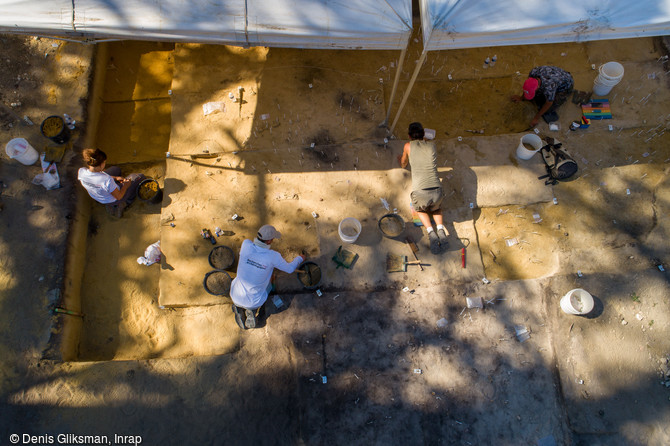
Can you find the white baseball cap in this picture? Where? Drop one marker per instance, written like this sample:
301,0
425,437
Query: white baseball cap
268,232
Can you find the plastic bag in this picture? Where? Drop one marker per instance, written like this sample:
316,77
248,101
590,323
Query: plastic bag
151,255
50,180
213,107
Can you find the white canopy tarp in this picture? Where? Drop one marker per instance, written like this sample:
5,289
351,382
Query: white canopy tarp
449,24
318,24
35,16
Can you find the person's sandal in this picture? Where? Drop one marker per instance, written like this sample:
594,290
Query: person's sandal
119,210
238,318
434,242
251,319
442,236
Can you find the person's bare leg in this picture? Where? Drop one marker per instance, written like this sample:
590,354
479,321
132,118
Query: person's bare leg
425,219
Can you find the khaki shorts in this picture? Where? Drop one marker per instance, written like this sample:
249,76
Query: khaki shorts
427,200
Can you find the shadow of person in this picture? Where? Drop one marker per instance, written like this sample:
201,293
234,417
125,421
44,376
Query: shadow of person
165,264
276,304
459,186
171,186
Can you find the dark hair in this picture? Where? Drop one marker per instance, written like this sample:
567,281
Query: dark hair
416,131
260,239
94,157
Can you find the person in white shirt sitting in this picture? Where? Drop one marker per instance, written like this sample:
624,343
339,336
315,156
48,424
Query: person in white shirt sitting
108,186
250,289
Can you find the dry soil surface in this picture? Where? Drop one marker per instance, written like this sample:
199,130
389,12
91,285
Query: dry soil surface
377,358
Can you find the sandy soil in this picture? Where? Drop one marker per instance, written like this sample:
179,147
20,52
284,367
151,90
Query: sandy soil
366,362
41,77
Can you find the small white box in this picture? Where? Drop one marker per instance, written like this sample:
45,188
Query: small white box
429,134
474,302
511,241
277,301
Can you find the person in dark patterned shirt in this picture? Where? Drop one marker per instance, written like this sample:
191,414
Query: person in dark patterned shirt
548,87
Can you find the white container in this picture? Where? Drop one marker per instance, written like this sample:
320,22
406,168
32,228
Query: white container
577,301
609,75
151,255
532,140
349,229
429,134
22,151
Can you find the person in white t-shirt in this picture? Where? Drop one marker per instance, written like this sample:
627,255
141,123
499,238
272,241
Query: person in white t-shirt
249,290
108,186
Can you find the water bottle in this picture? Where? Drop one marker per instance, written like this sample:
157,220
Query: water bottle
151,255
494,59
69,122
487,61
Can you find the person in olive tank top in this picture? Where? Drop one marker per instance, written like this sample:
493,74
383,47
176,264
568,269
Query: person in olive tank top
426,194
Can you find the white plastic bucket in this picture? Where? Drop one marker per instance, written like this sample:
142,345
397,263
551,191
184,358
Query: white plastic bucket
609,75
577,301
349,229
21,150
532,140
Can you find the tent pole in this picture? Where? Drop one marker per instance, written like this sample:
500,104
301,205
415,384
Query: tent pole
246,24
419,64
396,81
